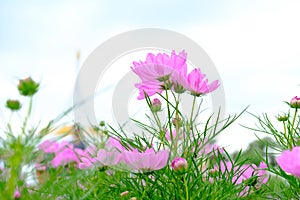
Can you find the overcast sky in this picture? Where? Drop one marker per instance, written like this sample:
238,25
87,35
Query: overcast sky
254,45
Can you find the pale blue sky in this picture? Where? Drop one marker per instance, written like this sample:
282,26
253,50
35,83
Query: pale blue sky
254,45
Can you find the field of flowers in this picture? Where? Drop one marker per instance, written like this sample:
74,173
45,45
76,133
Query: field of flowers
173,158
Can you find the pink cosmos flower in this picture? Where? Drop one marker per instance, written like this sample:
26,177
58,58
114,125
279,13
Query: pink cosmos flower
40,167
17,194
209,148
245,172
149,87
85,157
197,84
168,135
157,70
146,161
174,135
115,144
109,158
64,157
49,146
289,161
158,66
86,162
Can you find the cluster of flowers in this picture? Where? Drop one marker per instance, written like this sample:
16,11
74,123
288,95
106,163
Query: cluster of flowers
148,160
162,72
113,154
289,160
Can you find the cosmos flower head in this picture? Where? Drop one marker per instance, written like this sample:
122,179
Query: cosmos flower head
146,161
289,161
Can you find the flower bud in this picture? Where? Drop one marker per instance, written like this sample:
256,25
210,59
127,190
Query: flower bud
17,194
213,172
179,165
124,193
28,87
282,118
177,121
156,105
295,102
102,123
13,105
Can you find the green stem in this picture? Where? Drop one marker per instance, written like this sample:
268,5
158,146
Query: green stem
292,129
284,129
169,113
157,120
285,134
192,113
27,116
15,169
145,189
186,189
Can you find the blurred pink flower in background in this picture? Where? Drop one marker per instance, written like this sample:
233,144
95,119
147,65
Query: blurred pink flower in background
17,194
49,146
40,167
168,135
86,162
289,161
245,172
148,160
64,157
208,148
109,158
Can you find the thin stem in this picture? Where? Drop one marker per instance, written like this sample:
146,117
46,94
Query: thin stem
169,112
292,128
27,116
285,133
145,188
192,113
157,120
186,189
284,129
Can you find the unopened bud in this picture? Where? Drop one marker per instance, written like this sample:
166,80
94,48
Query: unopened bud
156,105
13,105
179,165
177,122
295,102
124,193
102,123
28,87
17,194
282,118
